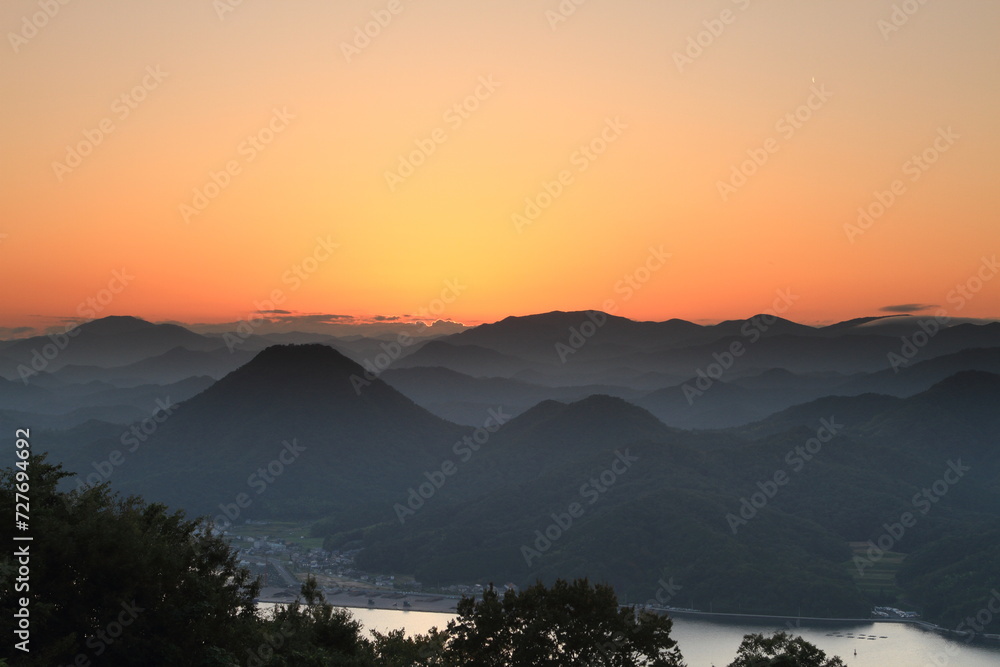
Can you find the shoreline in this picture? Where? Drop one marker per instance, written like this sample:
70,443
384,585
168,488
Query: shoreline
381,600
447,604
818,621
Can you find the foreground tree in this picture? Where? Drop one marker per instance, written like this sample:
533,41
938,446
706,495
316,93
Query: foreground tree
396,649
781,650
569,623
119,582
311,632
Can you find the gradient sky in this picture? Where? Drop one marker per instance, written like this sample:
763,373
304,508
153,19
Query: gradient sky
559,84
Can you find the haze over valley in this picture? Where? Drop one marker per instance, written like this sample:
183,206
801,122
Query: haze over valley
758,463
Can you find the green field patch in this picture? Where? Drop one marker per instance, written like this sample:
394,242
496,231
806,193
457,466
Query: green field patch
878,580
279,531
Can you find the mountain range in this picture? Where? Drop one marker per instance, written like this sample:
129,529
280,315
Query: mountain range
750,461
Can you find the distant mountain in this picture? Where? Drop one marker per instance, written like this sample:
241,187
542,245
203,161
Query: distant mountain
467,359
961,409
464,399
720,405
15,395
143,397
67,406
968,386
118,415
764,324
594,424
590,347
854,410
851,326
439,385
534,337
921,375
797,354
308,432
354,444
779,378
171,366
298,338
110,341
957,338
671,514
698,404
650,506
559,349
905,325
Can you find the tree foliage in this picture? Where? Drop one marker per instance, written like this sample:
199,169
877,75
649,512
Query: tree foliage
310,632
781,650
121,582
568,623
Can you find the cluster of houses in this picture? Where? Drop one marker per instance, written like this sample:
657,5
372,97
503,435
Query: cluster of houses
892,612
256,552
315,560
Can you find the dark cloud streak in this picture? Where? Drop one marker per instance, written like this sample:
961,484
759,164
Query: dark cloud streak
907,307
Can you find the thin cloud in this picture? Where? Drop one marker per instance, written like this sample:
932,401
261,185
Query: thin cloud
318,318
907,307
16,332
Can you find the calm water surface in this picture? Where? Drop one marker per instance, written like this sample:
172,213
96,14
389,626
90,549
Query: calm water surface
707,643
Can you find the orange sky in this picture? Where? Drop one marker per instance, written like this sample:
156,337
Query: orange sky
331,120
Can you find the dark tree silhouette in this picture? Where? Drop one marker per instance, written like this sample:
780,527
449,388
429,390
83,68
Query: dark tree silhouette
781,650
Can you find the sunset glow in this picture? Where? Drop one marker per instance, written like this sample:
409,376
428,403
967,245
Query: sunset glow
536,156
